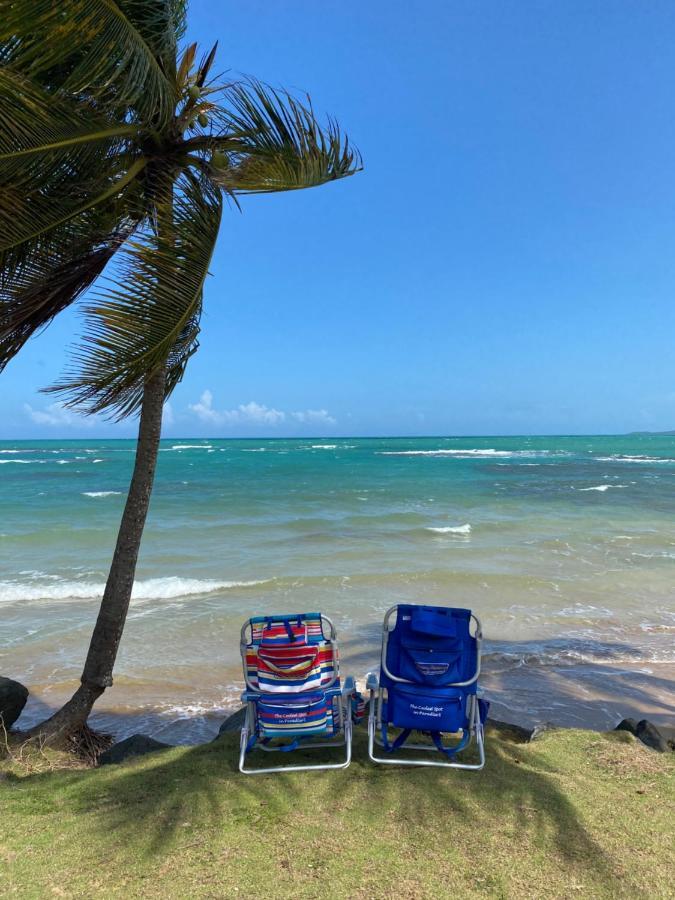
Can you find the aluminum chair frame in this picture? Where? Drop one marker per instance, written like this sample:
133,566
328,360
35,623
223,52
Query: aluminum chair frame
376,693
344,715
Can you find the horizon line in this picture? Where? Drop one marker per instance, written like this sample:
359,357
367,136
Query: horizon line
368,437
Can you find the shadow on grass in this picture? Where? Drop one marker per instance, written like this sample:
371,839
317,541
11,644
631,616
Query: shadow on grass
150,804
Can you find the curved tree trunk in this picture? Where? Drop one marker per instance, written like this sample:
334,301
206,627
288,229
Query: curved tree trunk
105,640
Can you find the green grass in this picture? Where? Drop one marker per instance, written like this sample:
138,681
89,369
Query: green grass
575,813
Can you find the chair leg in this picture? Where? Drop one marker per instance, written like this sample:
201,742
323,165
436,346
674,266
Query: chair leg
243,742
476,728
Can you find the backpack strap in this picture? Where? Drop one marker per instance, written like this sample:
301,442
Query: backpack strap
450,751
398,742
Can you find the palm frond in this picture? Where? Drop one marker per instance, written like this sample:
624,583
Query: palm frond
117,52
150,313
40,133
52,277
162,23
25,216
276,143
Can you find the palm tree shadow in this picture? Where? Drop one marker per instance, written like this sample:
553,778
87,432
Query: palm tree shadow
150,806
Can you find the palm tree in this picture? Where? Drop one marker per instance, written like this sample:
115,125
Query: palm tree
114,145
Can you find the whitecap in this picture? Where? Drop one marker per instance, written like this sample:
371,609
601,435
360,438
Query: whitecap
152,589
601,487
451,529
324,446
192,447
100,493
473,453
620,457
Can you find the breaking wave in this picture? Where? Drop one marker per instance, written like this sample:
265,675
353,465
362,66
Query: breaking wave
167,588
451,529
620,457
473,453
100,493
191,447
602,487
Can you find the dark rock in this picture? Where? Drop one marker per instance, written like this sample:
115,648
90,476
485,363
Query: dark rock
136,745
627,725
515,733
650,735
13,696
543,728
668,733
233,722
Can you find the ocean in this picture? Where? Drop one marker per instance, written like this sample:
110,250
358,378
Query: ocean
563,546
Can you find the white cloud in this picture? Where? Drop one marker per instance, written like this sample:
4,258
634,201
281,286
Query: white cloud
54,414
254,413
168,416
204,408
314,417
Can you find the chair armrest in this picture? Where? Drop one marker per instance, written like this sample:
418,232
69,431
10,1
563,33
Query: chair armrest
372,681
348,686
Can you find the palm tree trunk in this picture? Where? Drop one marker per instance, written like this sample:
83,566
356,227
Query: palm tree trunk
105,640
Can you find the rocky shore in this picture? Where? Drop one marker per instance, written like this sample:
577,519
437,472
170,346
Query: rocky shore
13,697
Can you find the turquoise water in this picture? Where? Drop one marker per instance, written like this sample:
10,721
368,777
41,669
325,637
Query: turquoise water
565,546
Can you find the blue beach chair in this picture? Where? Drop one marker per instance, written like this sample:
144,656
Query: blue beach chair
428,683
293,694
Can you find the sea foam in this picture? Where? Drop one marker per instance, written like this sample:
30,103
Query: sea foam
451,529
472,453
602,487
100,493
625,458
22,462
192,447
151,589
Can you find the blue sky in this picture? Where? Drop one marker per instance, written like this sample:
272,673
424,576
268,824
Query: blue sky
504,264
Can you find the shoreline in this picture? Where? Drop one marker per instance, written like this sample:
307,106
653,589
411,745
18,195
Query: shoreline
594,697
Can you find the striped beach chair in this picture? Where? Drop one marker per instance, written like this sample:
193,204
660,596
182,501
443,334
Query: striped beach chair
294,697
428,683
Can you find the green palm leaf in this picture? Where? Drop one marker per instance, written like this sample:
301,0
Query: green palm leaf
276,142
41,134
26,216
151,311
118,52
46,280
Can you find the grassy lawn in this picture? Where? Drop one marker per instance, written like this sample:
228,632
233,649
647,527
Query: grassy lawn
575,813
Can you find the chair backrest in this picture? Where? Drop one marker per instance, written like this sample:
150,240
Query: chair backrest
430,645
290,654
